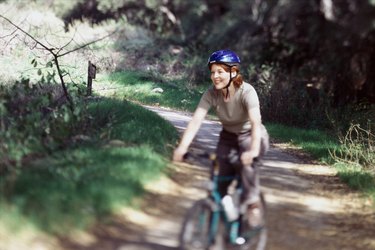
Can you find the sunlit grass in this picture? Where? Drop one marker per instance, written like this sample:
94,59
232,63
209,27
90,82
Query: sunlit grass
358,178
140,87
134,125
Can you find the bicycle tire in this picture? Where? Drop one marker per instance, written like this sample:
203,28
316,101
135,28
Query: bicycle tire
196,226
257,237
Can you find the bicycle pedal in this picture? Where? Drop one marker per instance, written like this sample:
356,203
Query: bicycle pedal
240,241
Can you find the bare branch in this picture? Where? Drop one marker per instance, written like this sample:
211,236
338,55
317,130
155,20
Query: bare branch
23,31
87,44
14,31
10,40
72,39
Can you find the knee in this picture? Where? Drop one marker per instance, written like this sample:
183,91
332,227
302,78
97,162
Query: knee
248,170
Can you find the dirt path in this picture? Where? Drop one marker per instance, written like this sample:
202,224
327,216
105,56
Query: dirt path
308,208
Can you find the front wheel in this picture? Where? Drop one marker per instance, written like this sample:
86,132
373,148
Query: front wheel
196,227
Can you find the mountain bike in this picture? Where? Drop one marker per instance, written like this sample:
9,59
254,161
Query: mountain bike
208,226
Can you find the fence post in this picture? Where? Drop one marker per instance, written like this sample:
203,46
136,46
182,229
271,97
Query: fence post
91,74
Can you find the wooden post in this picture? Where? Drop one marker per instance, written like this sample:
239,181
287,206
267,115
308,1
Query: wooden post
91,74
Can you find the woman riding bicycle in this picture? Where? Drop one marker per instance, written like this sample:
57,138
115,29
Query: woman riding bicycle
237,106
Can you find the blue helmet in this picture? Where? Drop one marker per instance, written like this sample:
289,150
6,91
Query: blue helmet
225,56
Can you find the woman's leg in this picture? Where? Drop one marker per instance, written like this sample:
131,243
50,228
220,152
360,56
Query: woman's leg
227,143
250,180
249,174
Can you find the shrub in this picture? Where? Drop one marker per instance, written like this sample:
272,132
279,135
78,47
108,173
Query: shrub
35,118
358,148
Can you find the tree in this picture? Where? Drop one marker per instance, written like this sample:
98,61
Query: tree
56,53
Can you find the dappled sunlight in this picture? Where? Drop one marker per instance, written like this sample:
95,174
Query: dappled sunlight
167,186
304,199
322,204
310,202
138,217
159,208
283,186
28,237
302,210
317,170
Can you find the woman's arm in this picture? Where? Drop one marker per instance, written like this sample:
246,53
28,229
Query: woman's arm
189,133
256,134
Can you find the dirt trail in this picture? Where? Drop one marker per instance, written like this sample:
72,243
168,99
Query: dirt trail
308,207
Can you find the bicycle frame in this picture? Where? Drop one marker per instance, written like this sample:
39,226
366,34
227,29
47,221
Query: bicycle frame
232,228
208,218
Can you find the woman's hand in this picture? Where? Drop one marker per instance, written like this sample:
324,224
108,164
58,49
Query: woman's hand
190,132
247,157
178,154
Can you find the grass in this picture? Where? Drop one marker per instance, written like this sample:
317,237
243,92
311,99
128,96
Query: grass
139,87
358,178
134,125
315,142
74,187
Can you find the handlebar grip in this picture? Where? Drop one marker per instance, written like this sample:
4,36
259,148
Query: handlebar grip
186,156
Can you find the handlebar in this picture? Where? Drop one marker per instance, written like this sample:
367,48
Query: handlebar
232,158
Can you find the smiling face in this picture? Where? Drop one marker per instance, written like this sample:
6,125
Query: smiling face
220,75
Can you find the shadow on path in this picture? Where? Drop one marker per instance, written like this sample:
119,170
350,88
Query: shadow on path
305,211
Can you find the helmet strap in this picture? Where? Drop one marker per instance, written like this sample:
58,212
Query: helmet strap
230,80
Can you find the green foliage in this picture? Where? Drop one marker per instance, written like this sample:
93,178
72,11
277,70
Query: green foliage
132,124
195,68
138,87
342,118
315,142
72,188
291,104
358,148
35,119
358,178
122,147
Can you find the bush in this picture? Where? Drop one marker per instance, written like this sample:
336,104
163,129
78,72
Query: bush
286,100
117,149
35,119
358,148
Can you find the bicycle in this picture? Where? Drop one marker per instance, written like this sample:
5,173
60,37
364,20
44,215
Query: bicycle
206,224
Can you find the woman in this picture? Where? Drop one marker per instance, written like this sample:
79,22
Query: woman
237,106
